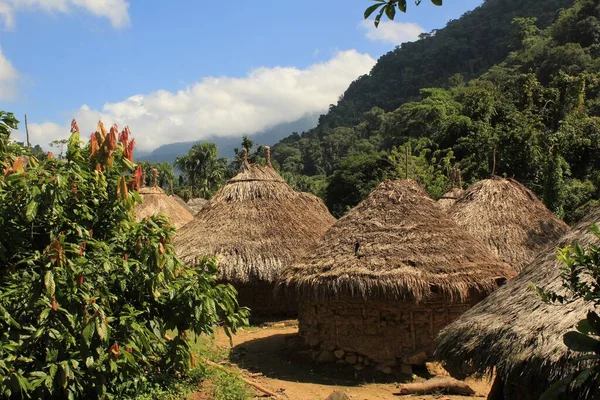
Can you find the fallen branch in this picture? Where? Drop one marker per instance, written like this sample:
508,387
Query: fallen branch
437,384
249,382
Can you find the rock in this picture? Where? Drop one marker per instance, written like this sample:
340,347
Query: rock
351,359
406,369
326,356
314,354
339,353
366,362
337,395
313,341
415,359
360,359
387,370
340,362
436,369
330,347
358,367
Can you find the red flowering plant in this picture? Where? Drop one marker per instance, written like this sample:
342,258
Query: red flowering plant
87,294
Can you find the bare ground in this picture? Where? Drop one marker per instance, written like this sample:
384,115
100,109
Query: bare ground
271,357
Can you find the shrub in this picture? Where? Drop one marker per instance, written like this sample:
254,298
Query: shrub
87,294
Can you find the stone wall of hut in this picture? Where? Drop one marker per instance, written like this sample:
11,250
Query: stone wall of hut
260,299
379,332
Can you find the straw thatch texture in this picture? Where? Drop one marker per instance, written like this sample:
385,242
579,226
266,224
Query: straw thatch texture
511,221
156,201
182,203
449,198
396,244
515,331
257,224
196,204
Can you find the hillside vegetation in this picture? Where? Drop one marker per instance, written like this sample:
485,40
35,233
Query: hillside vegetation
512,99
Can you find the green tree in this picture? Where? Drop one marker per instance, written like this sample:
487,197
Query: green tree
202,169
581,277
89,296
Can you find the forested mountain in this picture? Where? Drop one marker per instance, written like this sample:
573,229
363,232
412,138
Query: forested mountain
468,46
530,110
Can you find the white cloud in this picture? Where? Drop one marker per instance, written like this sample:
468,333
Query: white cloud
222,106
114,10
392,32
8,78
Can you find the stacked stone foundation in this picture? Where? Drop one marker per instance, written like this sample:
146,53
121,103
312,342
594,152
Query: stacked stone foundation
379,334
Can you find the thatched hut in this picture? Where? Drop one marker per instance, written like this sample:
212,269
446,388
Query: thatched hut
516,333
257,225
156,201
196,204
388,276
510,220
449,198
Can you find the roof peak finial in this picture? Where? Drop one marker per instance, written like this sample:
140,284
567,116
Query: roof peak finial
244,155
268,155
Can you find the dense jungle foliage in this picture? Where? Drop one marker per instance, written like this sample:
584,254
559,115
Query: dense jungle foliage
512,99
92,303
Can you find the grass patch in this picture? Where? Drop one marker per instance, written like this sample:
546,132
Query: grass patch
209,381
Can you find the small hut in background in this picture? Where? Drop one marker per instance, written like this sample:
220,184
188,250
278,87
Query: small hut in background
196,204
511,221
388,276
156,201
182,203
257,225
518,334
449,198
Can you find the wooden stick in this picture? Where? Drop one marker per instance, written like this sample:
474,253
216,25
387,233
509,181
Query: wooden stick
435,385
249,382
27,132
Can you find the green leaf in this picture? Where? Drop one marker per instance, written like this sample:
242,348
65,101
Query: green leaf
402,5
31,210
557,389
49,283
102,329
584,327
372,9
582,378
390,11
594,321
437,2
378,17
88,332
579,342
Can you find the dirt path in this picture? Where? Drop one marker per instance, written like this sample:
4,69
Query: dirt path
270,357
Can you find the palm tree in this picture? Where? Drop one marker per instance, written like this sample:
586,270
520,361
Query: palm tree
202,168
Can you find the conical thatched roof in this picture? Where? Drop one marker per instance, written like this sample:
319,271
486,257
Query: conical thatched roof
182,203
256,223
449,198
514,330
196,204
396,244
511,221
156,201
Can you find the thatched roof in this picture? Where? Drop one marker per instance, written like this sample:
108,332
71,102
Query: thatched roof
514,330
510,220
196,204
449,198
156,201
396,244
256,223
182,203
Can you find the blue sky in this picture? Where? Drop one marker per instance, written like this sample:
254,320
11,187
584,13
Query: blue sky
181,69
